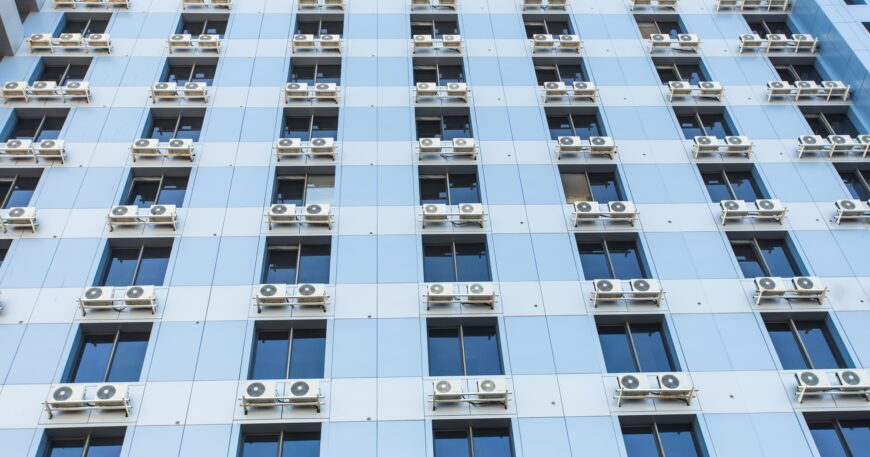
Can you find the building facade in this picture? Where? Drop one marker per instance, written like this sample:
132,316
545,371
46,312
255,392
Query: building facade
441,228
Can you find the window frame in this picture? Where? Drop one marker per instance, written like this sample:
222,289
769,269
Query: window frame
117,333
764,25
13,180
762,262
836,422
442,124
436,67
315,65
617,183
39,128
438,241
142,246
822,118
288,327
200,115
311,117
304,177
459,325
191,75
546,24
128,197
674,68
52,436
655,423
439,426
830,335
603,242
702,126
432,25
646,22
294,245
602,131
188,20
319,21
667,341
87,19
723,174
64,75
863,178
280,431
445,177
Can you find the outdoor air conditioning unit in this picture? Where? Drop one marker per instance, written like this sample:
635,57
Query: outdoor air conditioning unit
40,40
451,41
422,41
707,140
316,212
555,89
491,388
543,41
457,90
18,147
621,209
429,144
657,38
165,88
646,288
463,145
851,207
838,85
180,40
296,90
426,89
440,292
304,392
303,41
607,288
769,206
69,39
737,141
139,293
162,213
285,145
808,285
148,145
444,389
98,296
67,396
196,89
77,89
569,143
584,89
272,293
209,41
688,38
812,378
587,210
735,207
322,144
282,212
98,40
262,392
674,382
854,378
44,89
330,41
435,212
180,144
480,291
569,41
112,394
124,213
470,211
769,285
325,89
20,215
310,293
841,140
15,88
802,37
811,140
633,382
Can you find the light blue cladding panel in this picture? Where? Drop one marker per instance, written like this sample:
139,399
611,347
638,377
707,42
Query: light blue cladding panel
59,187
545,436
99,187
10,337
352,438
854,246
395,186
358,186
389,71
129,25
597,435
142,71
554,256
44,22
267,72
354,348
149,441
156,25
220,353
276,26
17,442
855,325
123,125
260,125
822,253
722,342
540,184
236,263
664,183
401,439
210,187
690,255
175,351
235,71
18,68
32,258
72,261
397,260
502,184
223,124
529,345
514,257
399,352
743,337
248,186
38,353
574,343
244,26
357,259
359,26
201,440
391,125
194,262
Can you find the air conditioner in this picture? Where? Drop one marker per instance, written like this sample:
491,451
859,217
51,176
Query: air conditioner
296,90
261,392
16,146
435,212
587,210
69,39
112,394
288,145
554,88
140,293
679,86
440,292
463,145
674,382
812,378
569,143
164,89
601,143
470,211
310,293
491,388
444,389
584,89
43,88
40,40
778,85
429,144
324,144
864,139
330,41
621,208
282,212
99,40
543,41
272,293
303,392
50,146
646,288
426,89
326,89
750,38
77,89
633,382
209,41
422,41
303,41
803,37
180,40
659,38
451,41
837,85
851,207
195,88
706,141
15,88
98,296
711,89
146,145
737,142
607,288
841,140
459,90
769,206
734,207
67,396
857,379
569,41
777,38
162,213
807,85
20,215
688,38
480,291
811,140
180,144
807,285
316,212
769,285
124,213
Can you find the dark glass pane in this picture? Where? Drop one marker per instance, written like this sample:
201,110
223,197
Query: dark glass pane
308,353
492,442
66,448
546,74
626,261
785,74
669,28
179,73
666,74
748,260
828,440
744,185
433,190
50,128
174,188
446,28
534,28
571,73
76,73
472,262
128,358
559,126
451,443
325,127
456,127
640,441
120,267
290,191
297,127
260,446
463,189
593,261
213,27
839,122
689,125
856,186
152,268
333,27
787,347
308,28
105,447
143,193
301,444
716,185
163,128
652,351
559,27
5,188
428,128
74,26
450,74
691,73
817,126
189,127
807,72
586,125
281,266
52,73
482,354
426,74
678,440
604,188
302,74
445,352
191,27
22,192
777,27
270,355
757,27
25,128
857,435
98,26
778,258
820,345
616,349
438,263
329,74
421,28
204,73
93,358
314,264
716,125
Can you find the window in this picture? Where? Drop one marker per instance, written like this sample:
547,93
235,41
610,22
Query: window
792,72
110,355
63,71
203,25
765,257
443,25
36,128
165,128
567,73
303,189
724,184
199,72
4,249
689,71
282,443
311,73
440,73
804,343
461,260
481,439
659,439
138,265
101,442
296,351
766,27
319,27
297,263
588,185
826,123
85,24
549,27
469,348
446,127
706,124
584,125
17,187
637,346
611,259
450,188
312,126
158,187
668,25
857,181
841,437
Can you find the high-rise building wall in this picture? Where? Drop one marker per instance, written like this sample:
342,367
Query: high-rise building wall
396,228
